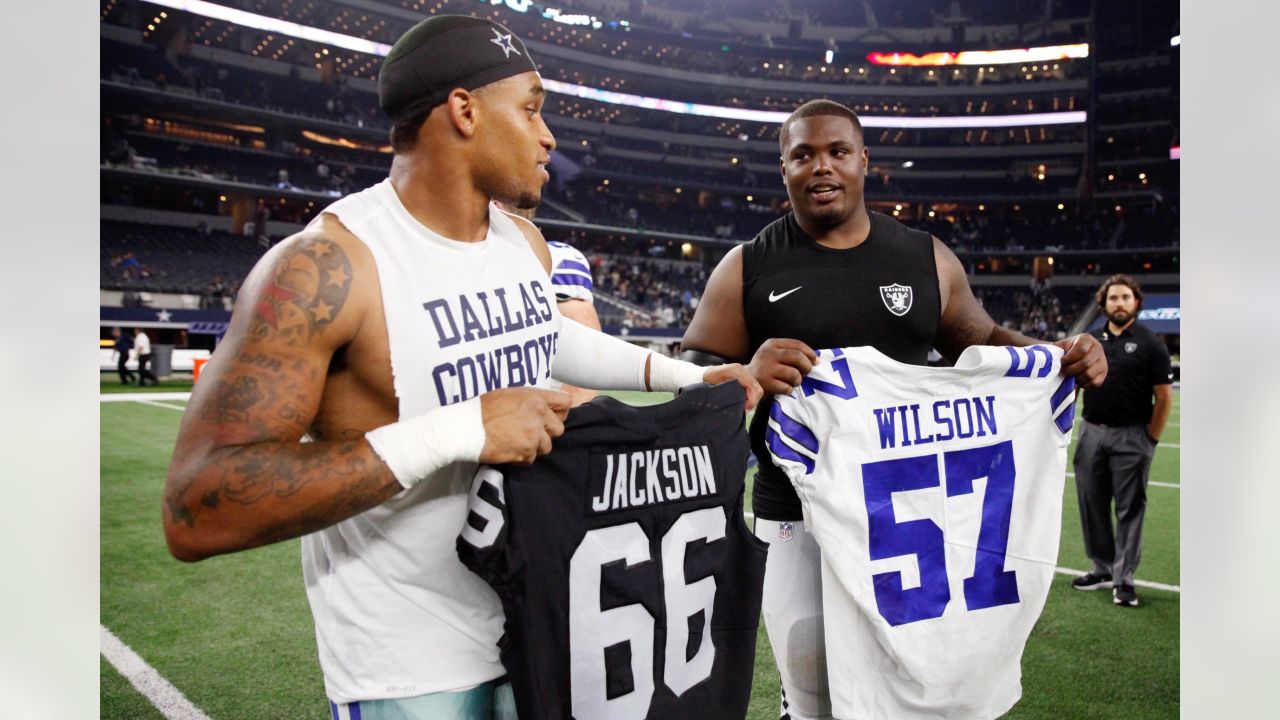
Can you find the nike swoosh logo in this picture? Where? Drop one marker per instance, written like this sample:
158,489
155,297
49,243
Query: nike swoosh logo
775,298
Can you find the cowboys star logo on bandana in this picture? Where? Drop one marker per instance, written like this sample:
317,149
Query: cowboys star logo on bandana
1130,347
897,298
504,42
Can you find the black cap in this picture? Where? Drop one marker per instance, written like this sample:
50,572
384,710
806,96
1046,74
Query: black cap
445,52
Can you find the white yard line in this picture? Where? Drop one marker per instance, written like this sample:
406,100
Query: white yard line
139,397
1139,583
163,695
152,403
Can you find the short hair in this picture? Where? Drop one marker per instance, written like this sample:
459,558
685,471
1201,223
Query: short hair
814,108
1100,297
404,132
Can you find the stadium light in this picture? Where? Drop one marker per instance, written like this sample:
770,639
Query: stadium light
829,57
776,117
983,57
284,27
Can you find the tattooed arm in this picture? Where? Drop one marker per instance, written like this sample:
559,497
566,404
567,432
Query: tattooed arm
239,477
964,322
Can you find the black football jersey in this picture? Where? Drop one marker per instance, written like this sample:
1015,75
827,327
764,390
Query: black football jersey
630,580
883,293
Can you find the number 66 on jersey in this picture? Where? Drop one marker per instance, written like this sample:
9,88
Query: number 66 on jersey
630,581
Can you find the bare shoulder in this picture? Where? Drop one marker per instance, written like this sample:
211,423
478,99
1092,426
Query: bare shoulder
950,269
719,324
316,283
727,274
537,243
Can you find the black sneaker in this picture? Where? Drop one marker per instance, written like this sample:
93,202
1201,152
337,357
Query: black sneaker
1091,581
1124,595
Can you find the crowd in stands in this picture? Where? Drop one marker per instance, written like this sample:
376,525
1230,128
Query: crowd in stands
646,283
333,99
286,169
193,261
330,98
703,35
642,283
1039,311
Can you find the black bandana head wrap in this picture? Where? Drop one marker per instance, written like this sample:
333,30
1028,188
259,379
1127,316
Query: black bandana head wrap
445,52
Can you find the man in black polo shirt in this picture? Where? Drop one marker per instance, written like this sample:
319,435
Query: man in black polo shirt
1121,428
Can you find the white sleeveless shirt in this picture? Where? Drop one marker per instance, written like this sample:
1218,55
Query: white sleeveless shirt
396,612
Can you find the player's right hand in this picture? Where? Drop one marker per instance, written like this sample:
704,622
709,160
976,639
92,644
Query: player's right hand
519,423
780,364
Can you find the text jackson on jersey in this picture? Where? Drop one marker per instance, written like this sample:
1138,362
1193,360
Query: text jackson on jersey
650,477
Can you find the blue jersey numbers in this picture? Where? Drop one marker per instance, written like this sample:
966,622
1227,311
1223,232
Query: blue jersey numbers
990,585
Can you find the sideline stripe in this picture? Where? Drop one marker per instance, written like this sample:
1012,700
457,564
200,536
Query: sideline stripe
1139,583
140,397
179,408
1074,573
165,697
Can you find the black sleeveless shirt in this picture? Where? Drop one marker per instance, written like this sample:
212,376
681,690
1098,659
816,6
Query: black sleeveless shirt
882,293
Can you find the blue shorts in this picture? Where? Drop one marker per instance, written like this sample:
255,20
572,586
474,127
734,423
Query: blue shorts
488,701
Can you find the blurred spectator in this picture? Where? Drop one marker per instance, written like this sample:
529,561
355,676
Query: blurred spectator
123,345
142,346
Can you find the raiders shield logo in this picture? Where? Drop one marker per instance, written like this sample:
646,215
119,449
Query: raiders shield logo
1130,347
897,298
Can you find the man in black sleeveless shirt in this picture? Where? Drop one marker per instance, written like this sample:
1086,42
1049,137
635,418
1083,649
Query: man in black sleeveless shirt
831,274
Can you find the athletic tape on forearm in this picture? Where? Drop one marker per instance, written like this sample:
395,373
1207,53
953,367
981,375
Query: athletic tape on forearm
416,447
591,359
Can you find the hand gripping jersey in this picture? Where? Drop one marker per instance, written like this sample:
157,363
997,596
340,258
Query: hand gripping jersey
935,495
630,581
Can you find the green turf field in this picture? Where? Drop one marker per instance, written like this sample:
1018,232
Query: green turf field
234,633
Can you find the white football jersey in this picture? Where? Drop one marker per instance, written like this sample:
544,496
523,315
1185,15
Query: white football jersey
570,272
935,495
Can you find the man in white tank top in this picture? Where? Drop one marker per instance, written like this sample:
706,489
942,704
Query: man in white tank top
409,333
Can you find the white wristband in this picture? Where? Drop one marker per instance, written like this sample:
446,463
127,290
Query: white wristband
669,375
416,447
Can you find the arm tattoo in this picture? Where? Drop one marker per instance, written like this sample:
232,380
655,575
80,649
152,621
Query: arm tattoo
263,473
308,288
247,475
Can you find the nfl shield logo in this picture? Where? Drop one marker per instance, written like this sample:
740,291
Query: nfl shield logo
897,298
785,531
1130,347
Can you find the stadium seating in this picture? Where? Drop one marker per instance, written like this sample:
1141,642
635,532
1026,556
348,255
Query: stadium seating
291,124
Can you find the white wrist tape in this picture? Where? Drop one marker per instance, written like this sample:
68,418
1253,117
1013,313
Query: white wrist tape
669,375
416,447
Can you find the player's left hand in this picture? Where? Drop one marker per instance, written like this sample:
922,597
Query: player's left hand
724,373
1083,360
